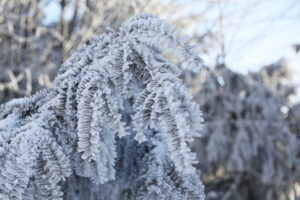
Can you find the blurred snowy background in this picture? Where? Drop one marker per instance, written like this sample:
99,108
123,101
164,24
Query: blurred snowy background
254,32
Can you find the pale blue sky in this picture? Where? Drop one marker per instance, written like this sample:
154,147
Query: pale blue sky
262,32
256,32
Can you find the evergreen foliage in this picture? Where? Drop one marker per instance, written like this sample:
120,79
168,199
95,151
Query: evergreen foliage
118,115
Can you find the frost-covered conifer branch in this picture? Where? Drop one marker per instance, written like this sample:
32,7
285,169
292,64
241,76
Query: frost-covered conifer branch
118,85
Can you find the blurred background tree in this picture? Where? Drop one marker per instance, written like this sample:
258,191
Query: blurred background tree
249,150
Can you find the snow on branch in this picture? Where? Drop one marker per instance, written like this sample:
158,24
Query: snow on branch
117,85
